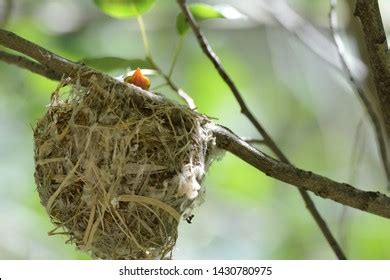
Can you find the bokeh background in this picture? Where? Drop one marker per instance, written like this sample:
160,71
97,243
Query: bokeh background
287,79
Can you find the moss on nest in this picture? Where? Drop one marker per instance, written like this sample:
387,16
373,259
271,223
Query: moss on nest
117,176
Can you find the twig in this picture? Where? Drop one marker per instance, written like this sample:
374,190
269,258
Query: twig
188,99
370,17
372,202
144,37
357,152
208,51
182,94
309,35
178,48
379,133
28,64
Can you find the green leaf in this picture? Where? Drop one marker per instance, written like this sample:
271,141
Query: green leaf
203,12
125,8
107,64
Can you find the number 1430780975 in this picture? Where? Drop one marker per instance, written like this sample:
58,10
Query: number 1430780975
242,270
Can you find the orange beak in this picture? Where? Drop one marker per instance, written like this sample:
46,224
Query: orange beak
139,80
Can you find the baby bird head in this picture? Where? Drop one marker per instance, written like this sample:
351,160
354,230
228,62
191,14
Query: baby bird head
138,79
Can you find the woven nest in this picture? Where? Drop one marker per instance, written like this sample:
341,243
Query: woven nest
116,176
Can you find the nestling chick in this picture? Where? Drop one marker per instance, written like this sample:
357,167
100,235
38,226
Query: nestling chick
138,79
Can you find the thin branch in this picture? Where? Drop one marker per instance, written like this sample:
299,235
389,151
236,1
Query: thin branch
357,151
28,64
380,134
372,202
370,17
178,48
144,36
368,201
309,35
182,94
188,99
208,51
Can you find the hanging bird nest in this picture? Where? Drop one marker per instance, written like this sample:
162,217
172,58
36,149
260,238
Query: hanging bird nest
117,175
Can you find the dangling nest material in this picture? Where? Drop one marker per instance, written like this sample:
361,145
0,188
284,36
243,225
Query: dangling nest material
117,176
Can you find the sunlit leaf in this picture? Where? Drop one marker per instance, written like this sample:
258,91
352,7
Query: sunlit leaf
229,12
107,64
204,12
125,8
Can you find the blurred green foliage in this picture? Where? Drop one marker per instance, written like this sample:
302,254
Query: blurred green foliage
303,103
200,12
125,8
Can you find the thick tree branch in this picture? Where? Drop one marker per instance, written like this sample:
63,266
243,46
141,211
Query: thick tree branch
380,134
208,51
45,57
370,17
75,73
28,64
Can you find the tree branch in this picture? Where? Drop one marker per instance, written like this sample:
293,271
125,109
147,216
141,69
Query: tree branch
370,18
368,201
75,73
380,134
28,64
208,51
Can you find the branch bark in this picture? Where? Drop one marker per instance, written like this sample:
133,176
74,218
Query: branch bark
208,51
368,201
371,21
28,64
75,73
